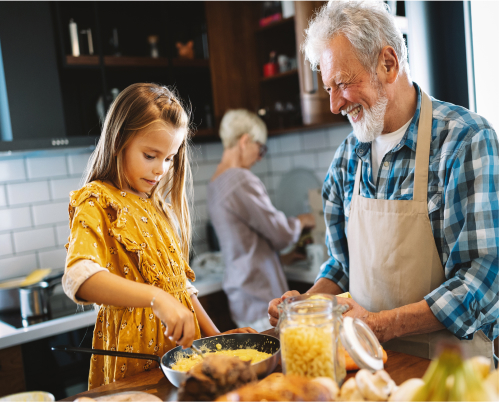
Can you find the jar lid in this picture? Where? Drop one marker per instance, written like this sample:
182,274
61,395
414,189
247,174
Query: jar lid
361,344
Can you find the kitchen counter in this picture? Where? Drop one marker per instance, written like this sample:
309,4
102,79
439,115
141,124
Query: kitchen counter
206,284
12,336
399,365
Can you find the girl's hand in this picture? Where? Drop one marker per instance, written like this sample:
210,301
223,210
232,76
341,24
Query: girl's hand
245,330
179,320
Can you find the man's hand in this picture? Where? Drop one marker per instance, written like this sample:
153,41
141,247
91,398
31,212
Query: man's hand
273,312
245,330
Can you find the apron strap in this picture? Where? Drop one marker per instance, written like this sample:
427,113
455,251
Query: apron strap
423,149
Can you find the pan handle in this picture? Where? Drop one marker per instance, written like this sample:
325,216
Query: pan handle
108,353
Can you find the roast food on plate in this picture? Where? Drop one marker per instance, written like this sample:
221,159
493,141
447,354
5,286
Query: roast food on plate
216,375
280,387
185,362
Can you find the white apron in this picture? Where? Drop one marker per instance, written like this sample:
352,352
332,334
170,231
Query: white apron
393,256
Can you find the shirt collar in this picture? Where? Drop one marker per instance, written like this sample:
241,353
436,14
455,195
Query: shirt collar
409,138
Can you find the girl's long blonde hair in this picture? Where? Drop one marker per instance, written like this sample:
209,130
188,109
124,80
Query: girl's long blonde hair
135,108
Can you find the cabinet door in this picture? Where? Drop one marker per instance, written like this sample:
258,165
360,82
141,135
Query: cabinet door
31,75
314,100
231,38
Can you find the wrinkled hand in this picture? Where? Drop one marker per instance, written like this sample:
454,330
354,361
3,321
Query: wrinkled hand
178,319
371,319
245,330
273,312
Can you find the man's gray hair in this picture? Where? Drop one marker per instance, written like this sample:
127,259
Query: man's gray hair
237,122
368,25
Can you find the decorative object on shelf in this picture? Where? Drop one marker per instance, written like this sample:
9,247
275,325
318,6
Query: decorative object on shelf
284,64
185,50
90,49
115,43
271,12
288,9
73,35
153,42
272,67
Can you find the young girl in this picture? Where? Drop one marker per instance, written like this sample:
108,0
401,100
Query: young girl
128,249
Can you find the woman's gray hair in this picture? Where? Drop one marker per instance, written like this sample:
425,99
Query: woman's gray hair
237,122
368,25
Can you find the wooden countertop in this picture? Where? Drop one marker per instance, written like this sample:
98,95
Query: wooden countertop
399,365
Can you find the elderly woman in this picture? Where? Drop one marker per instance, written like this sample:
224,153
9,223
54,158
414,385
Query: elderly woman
249,229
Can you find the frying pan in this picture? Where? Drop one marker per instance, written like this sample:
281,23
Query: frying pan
260,342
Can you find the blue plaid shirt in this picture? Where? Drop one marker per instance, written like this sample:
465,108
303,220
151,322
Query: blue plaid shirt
463,188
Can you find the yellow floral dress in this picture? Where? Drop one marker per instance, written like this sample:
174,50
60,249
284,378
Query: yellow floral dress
124,233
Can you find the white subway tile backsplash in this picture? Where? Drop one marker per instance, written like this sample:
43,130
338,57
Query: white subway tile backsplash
197,152
338,134
62,234
260,167
46,167
50,213
203,172
200,212
3,197
280,163
60,188
304,161
78,162
19,265
6,244
199,192
15,218
276,180
290,143
325,158
55,259
274,145
11,170
29,192
315,140
34,239
214,151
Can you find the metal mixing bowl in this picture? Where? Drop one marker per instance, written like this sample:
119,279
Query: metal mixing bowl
260,342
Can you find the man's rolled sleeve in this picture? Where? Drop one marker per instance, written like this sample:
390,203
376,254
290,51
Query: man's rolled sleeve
468,300
336,267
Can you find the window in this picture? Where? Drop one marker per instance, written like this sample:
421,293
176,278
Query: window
5,125
483,17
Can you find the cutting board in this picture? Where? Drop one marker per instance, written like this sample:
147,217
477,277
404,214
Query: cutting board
134,396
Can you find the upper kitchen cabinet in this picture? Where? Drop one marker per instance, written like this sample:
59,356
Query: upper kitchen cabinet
256,64
119,44
31,99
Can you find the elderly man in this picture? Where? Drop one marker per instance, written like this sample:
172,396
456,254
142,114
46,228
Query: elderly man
411,196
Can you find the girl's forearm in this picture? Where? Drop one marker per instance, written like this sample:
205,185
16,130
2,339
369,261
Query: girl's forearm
109,289
208,328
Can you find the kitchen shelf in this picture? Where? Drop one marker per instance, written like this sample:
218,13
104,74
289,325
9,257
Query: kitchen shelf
82,60
135,61
190,62
284,21
290,73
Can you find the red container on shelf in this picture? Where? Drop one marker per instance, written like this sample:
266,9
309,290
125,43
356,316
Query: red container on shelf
270,69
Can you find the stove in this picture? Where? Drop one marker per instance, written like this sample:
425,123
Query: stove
59,306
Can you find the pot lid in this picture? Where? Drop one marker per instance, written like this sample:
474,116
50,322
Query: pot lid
361,344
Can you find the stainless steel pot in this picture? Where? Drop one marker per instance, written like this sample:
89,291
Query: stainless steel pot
34,299
261,342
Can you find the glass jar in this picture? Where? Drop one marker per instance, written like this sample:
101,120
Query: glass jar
312,334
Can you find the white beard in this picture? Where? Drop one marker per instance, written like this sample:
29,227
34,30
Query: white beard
373,120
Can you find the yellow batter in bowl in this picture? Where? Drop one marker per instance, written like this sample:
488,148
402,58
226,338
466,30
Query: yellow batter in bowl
186,362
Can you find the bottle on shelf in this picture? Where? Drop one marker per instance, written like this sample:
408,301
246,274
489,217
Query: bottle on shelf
272,67
73,35
153,42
